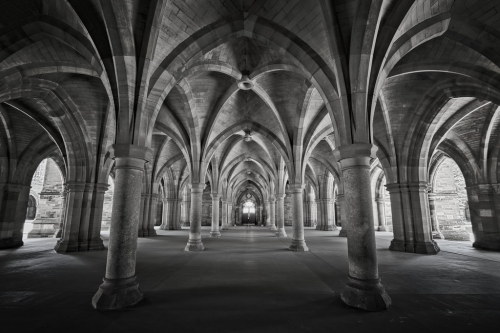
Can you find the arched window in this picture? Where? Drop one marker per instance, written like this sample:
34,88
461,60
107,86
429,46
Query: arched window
249,207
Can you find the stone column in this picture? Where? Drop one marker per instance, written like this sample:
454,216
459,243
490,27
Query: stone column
224,215
436,232
328,218
176,215
95,240
230,214
411,218
13,205
59,231
167,206
363,289
484,204
341,218
120,287
280,215
72,217
381,214
214,232
298,241
272,214
146,228
149,226
267,210
319,219
194,242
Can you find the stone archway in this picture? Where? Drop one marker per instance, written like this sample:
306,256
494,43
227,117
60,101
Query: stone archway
248,215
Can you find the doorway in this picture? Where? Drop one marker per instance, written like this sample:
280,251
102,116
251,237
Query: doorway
248,216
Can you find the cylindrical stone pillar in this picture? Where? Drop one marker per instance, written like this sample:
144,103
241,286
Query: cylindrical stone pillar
298,241
194,242
120,287
230,214
280,215
381,214
272,213
214,232
364,289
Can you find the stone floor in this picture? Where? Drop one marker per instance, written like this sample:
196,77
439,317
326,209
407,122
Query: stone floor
246,281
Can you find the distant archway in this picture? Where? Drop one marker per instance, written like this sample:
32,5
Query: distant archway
248,216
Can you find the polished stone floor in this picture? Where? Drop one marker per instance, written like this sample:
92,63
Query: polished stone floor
246,281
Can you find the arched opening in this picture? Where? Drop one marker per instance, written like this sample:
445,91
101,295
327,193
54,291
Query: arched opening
248,215
449,207
47,186
107,205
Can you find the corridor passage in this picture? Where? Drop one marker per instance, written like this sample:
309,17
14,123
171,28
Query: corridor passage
247,281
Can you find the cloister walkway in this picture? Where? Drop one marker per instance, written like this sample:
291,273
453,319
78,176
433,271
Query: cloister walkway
247,281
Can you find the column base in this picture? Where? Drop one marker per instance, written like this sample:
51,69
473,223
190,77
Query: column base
343,232
487,245
427,247
96,245
298,245
381,228
147,233
163,227
10,243
64,246
58,233
281,233
194,245
368,295
114,294
215,234
437,235
273,228
414,247
326,227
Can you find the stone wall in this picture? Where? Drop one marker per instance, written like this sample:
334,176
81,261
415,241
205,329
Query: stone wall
451,201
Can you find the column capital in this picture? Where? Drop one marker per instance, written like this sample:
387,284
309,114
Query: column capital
215,196
280,196
295,188
198,187
76,186
132,151
356,154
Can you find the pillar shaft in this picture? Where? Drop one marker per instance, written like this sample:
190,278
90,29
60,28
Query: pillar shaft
214,232
484,204
95,240
363,289
411,218
280,215
272,213
13,205
69,241
298,241
224,225
120,287
381,214
194,241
